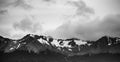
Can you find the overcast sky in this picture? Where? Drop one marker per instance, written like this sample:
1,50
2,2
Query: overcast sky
84,19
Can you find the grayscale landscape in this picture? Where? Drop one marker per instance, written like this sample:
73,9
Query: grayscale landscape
59,31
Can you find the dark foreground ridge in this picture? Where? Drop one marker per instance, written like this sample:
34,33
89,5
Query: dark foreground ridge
49,56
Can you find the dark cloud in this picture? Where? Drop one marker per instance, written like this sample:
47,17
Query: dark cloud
110,25
3,12
15,3
6,3
22,4
82,8
24,25
27,25
47,0
50,1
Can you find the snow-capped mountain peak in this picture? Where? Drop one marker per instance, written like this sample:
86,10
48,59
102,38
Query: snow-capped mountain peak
72,46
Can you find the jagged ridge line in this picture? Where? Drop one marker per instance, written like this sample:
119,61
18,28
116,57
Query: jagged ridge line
61,39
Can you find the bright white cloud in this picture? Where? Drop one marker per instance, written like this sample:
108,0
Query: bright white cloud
39,16
59,18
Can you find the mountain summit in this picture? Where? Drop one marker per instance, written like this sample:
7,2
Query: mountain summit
70,47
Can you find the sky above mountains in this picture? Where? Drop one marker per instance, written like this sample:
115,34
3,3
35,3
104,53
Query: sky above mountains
85,19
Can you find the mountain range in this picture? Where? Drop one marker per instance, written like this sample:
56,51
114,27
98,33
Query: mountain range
69,47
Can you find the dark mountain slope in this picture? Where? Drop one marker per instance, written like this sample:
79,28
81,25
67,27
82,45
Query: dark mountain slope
70,47
39,48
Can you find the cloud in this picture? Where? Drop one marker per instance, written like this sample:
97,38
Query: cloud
48,0
3,12
5,32
23,4
109,25
42,17
63,19
24,25
82,8
4,3
28,25
15,3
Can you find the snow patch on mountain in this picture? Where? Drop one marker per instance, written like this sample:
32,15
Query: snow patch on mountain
64,43
43,41
55,43
80,42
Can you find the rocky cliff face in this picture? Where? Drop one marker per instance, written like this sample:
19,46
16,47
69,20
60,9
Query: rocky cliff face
69,47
